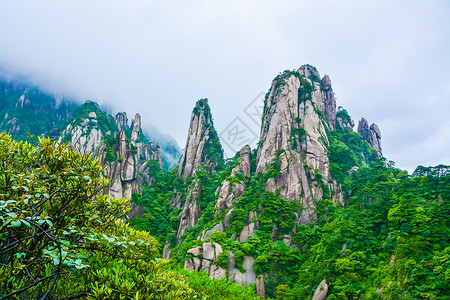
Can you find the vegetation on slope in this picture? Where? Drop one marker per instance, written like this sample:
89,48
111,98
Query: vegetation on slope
59,239
25,109
391,238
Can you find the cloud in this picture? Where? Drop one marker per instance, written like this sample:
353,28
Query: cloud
388,60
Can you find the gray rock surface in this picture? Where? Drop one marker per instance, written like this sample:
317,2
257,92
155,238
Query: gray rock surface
130,168
202,258
191,210
229,192
293,131
200,136
207,233
371,134
247,231
321,291
260,290
166,251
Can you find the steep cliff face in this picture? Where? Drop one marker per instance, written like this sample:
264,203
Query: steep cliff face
121,148
230,191
293,137
202,146
292,153
371,134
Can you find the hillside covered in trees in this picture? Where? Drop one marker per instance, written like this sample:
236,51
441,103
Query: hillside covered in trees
313,212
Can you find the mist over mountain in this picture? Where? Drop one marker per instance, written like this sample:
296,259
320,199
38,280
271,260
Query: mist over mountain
26,107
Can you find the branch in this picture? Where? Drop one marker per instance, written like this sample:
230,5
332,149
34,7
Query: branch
27,287
76,296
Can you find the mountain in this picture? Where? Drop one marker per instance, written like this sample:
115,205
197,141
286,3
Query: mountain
313,212
120,147
24,108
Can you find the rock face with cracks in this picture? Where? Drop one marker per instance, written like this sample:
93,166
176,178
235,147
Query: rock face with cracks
371,134
119,147
291,160
202,144
202,149
294,133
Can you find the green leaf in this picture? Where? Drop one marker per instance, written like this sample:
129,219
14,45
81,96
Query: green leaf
16,223
6,222
19,254
26,223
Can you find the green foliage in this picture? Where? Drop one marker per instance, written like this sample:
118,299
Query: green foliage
437,171
343,114
61,239
347,150
104,122
159,217
213,150
26,110
393,233
215,289
305,90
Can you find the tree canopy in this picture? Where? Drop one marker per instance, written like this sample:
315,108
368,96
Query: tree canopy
61,239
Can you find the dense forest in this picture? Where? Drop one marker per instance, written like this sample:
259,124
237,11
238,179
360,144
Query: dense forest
313,212
392,233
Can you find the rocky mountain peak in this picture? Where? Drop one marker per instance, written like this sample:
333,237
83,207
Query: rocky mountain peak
310,72
371,134
136,127
121,120
329,103
117,145
293,140
203,145
326,83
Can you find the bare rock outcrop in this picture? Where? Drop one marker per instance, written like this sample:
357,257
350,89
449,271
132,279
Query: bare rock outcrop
121,120
203,145
202,258
321,291
203,148
260,289
120,148
293,135
191,210
371,134
329,103
246,278
231,191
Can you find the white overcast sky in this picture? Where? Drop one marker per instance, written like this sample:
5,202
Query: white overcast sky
388,60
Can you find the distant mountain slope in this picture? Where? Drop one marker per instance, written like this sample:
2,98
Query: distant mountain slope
25,108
